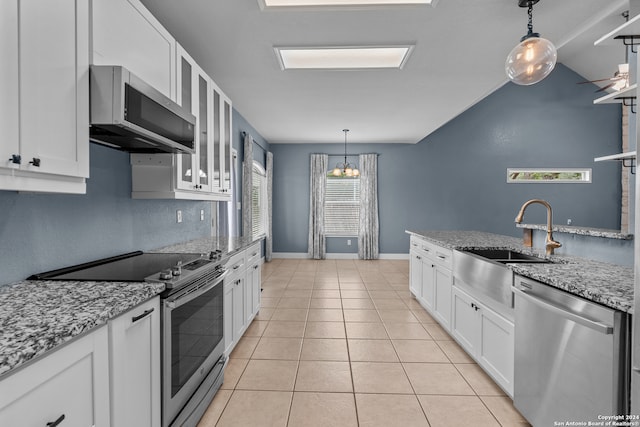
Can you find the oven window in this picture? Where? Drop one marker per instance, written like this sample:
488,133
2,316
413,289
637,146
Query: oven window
196,329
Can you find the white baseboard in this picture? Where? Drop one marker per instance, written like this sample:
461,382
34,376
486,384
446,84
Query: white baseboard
301,255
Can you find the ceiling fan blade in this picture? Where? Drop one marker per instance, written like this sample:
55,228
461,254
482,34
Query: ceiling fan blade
596,81
605,87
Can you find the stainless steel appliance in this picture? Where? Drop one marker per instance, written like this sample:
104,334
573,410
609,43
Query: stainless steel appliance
192,345
571,361
130,115
192,322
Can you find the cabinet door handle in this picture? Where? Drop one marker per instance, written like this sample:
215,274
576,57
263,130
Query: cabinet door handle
418,257
16,159
255,267
35,162
134,319
254,254
442,257
235,267
56,422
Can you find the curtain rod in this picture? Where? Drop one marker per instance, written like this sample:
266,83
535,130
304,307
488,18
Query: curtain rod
351,154
255,142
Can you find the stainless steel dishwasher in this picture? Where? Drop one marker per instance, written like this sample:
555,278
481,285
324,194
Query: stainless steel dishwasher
571,356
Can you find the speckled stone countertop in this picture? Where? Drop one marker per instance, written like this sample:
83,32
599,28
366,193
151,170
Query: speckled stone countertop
36,316
583,231
50,313
608,284
228,245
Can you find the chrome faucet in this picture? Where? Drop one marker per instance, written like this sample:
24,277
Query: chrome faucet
550,243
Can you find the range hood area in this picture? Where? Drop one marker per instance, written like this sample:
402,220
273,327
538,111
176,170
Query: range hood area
130,115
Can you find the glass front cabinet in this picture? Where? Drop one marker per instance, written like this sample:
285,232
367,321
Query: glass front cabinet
205,174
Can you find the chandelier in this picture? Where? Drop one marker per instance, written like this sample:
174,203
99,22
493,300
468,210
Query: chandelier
534,57
345,169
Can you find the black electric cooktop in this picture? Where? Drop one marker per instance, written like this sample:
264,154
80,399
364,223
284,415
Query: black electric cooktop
129,267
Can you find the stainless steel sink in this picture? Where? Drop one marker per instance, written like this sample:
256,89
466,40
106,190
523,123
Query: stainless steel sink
485,272
507,256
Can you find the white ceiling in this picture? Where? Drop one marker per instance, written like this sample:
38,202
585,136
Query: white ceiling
460,49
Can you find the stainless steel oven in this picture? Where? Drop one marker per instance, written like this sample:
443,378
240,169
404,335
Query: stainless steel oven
192,347
192,322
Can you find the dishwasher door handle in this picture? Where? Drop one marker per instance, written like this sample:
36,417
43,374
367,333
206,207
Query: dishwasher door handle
596,326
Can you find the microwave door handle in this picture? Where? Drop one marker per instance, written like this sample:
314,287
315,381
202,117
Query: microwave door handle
181,300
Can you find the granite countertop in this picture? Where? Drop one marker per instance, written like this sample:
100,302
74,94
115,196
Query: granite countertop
50,313
582,231
229,245
607,284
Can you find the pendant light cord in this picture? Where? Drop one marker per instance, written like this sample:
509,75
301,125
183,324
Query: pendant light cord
530,24
345,146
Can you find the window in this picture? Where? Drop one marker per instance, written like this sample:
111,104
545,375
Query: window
342,207
559,175
259,201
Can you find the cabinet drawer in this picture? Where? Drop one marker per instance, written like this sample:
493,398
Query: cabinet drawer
236,263
253,254
443,257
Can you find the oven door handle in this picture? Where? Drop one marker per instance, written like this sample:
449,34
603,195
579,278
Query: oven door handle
182,299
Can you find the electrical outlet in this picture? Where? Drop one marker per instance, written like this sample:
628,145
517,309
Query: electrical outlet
178,216
201,214
349,242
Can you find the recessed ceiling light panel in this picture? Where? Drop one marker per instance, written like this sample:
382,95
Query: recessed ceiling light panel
340,3
343,58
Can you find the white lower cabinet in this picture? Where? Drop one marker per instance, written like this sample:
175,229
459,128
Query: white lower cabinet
134,356
443,282
69,386
415,272
431,280
485,335
241,294
428,284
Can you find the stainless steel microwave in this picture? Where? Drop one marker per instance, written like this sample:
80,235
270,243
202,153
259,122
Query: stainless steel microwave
130,115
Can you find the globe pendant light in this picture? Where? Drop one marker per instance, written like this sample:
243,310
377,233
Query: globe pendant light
534,58
345,169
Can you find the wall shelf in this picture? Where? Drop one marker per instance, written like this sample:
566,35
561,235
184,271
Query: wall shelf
628,159
627,33
625,96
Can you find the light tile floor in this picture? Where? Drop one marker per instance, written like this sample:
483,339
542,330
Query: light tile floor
342,343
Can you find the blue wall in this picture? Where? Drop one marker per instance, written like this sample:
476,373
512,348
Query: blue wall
456,177
40,232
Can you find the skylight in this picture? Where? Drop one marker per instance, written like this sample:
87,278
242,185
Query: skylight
339,58
321,3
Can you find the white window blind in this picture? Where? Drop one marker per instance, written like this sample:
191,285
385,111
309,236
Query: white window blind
342,207
259,201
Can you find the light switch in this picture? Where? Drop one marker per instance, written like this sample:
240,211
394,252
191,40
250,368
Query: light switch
178,216
201,214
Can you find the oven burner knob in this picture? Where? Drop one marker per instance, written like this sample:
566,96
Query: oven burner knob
165,275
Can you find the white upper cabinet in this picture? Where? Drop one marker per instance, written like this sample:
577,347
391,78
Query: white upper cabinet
126,33
204,175
44,95
193,171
